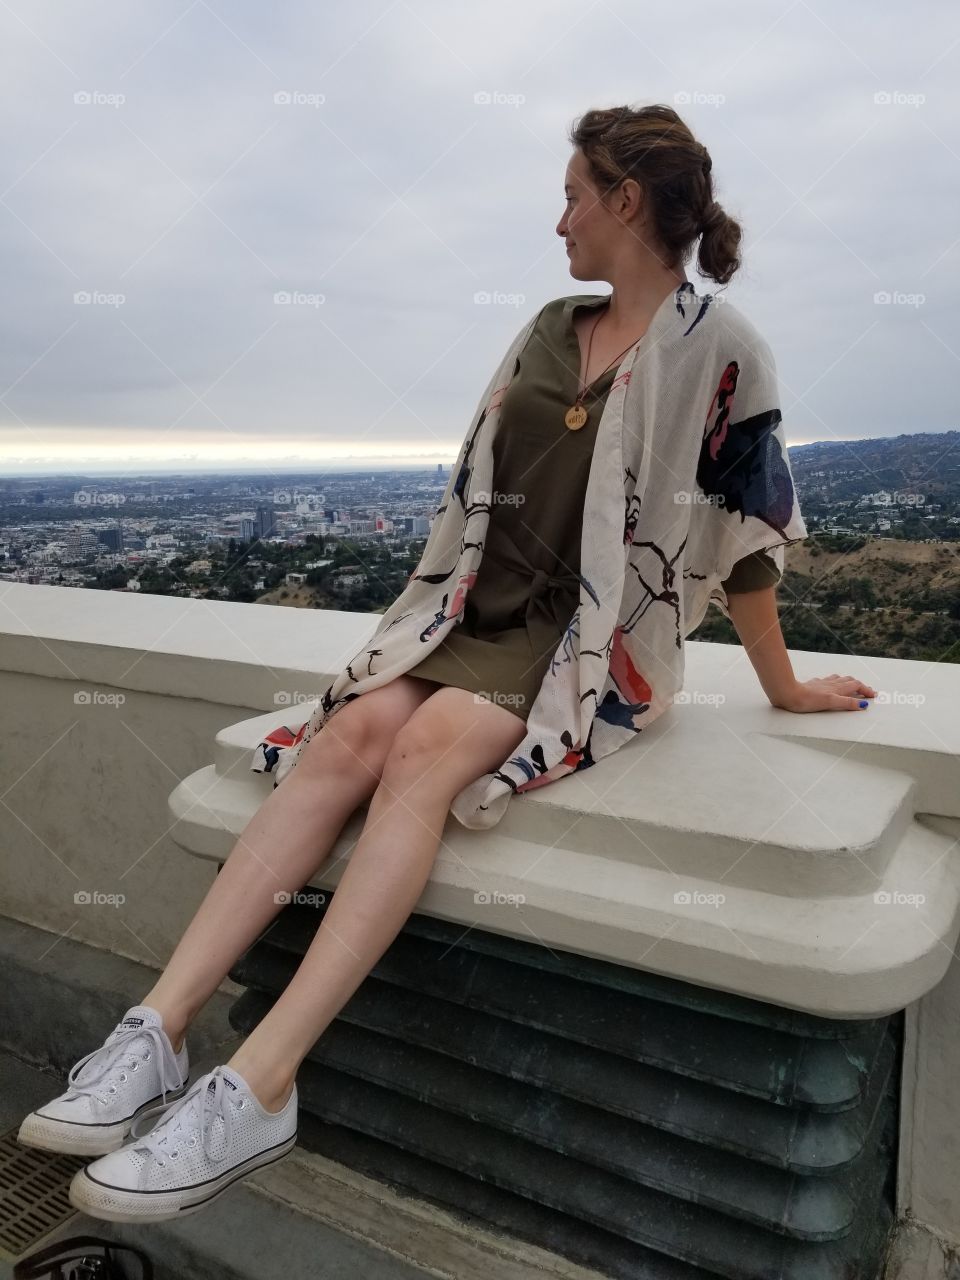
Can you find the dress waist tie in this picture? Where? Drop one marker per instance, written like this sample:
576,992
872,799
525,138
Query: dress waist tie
553,597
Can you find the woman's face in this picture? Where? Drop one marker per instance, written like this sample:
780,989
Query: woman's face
586,223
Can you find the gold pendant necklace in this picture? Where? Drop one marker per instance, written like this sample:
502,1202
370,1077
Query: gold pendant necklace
576,416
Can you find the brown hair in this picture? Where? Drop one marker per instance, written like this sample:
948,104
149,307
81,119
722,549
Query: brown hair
655,147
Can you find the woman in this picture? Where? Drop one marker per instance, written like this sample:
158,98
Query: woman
638,195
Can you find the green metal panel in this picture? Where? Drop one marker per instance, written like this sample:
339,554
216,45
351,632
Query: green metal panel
645,1123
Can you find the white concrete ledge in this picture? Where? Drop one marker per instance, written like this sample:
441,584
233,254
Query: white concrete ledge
731,844
243,654
817,853
798,820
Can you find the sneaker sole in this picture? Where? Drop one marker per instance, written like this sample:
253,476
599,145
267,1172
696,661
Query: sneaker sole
116,1204
73,1138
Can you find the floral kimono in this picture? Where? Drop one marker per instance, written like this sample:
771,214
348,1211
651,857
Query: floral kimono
689,475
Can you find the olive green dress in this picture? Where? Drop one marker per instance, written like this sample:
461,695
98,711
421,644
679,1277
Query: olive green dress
527,589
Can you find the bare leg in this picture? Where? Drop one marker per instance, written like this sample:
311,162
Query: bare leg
283,844
449,741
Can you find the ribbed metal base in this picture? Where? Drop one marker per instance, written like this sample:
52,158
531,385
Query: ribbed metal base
637,1124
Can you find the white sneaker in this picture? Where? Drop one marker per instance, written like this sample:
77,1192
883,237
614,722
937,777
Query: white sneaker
110,1087
212,1137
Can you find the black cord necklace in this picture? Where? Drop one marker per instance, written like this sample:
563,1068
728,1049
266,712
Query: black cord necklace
577,415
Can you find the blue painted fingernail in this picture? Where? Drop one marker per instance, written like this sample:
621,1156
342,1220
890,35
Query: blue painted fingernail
864,704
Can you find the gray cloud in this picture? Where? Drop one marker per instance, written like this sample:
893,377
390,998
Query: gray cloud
199,197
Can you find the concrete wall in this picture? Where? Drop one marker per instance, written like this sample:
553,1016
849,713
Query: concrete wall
85,781
109,700
929,1165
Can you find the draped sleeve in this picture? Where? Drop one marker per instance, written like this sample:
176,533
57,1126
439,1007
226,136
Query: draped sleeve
749,500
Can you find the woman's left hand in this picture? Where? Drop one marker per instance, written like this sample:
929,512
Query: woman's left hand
827,693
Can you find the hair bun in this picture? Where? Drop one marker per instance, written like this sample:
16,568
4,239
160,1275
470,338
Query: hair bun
655,148
713,217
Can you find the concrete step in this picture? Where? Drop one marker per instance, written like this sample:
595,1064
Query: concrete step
793,851
794,937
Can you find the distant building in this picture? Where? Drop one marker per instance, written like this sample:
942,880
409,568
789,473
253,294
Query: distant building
112,539
79,543
265,523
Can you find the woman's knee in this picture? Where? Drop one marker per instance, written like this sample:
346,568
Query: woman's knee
357,737
343,748
416,747
451,739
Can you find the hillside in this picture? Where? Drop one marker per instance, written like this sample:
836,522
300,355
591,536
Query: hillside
888,597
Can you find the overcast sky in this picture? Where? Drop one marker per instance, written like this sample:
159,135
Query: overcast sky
148,164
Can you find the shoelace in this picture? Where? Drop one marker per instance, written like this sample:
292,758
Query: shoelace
119,1045
182,1115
